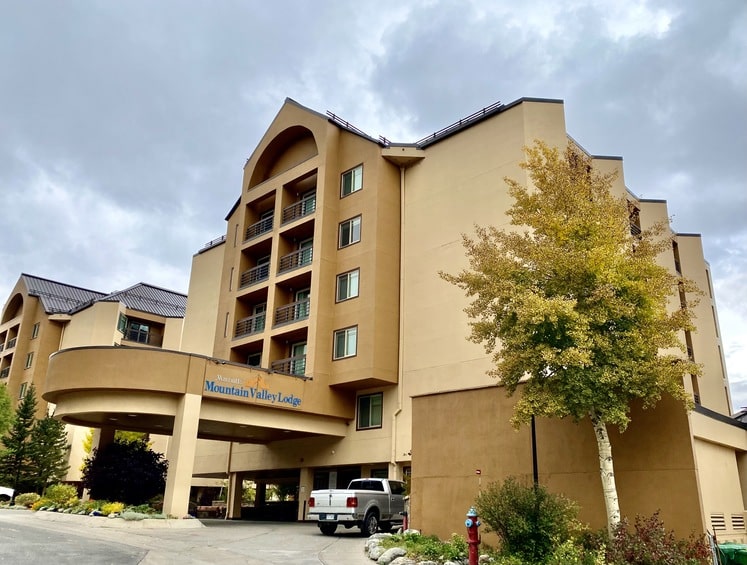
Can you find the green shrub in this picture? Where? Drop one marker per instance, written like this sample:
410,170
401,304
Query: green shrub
60,494
530,521
429,547
27,499
650,543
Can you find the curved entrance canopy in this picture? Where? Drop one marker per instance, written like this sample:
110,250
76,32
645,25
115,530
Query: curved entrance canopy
139,389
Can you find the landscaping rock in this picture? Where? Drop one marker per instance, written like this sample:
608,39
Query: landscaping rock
390,555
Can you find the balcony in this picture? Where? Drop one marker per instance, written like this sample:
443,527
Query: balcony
2,346
4,373
295,260
255,230
144,337
254,275
290,366
250,325
292,312
11,343
299,209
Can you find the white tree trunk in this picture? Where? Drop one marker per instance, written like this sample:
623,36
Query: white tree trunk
607,473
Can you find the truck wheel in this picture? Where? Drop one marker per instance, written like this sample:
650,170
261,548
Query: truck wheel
328,528
370,524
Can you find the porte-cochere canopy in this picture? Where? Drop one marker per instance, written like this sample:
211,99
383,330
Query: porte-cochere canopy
139,389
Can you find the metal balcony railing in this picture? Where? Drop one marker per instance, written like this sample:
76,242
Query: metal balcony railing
255,230
2,346
4,373
11,343
290,366
299,209
295,260
254,275
250,325
292,312
635,229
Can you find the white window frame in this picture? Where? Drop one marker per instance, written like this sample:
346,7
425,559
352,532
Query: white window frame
351,225
355,176
348,344
35,331
29,360
348,282
22,390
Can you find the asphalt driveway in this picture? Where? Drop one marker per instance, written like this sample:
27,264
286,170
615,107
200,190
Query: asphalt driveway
30,538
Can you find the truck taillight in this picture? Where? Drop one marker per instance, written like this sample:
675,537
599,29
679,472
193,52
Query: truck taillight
312,502
351,502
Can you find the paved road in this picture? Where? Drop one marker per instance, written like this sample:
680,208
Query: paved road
27,538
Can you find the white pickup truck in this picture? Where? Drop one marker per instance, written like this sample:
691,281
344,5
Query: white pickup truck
369,504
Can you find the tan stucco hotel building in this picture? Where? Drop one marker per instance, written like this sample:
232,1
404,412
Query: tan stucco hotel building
318,343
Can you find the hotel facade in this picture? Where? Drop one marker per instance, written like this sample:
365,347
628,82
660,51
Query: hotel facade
318,343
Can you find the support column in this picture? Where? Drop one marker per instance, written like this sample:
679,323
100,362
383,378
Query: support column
181,456
102,437
235,493
305,486
260,495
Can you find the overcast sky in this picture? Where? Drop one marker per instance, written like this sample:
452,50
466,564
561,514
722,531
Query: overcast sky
124,126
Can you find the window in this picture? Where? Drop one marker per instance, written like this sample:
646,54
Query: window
122,324
138,332
370,408
347,285
29,359
254,359
22,390
346,342
352,181
350,231
35,331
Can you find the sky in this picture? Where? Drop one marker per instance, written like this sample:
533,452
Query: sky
125,126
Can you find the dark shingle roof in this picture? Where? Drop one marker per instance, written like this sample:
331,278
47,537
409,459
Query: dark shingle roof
152,299
58,297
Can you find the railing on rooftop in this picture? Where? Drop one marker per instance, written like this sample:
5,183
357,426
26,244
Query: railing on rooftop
459,124
295,260
254,275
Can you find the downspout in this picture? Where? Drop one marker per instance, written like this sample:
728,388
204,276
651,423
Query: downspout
400,348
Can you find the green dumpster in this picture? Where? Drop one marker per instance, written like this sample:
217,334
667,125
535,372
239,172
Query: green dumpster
732,553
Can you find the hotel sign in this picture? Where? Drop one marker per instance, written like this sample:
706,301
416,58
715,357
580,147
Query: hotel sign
250,389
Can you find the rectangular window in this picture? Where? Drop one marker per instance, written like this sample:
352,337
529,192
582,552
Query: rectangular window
138,332
370,409
35,331
352,181
122,324
29,359
350,231
22,390
346,342
347,285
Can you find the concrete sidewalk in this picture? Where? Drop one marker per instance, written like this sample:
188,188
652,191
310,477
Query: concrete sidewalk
219,542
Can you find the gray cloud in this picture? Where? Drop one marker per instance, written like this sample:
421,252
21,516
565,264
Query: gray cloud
124,126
